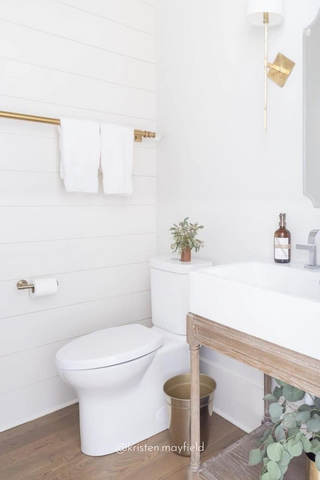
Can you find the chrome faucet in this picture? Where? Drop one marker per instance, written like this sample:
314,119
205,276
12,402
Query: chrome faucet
312,249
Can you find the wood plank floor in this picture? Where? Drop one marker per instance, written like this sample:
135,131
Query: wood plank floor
49,449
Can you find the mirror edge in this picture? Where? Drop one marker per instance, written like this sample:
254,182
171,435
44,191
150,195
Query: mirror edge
304,109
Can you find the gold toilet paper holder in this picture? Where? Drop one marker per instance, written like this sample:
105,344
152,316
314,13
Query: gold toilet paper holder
24,285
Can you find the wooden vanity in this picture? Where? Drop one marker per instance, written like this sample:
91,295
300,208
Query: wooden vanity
274,361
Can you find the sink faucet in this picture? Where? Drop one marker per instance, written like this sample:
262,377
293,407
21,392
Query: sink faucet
312,249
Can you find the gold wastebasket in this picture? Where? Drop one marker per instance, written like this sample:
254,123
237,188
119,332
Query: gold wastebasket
312,473
177,393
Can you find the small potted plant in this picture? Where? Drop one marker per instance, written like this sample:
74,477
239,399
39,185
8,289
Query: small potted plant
295,431
184,235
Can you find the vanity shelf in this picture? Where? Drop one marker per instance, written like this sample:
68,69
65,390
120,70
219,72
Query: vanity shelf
232,463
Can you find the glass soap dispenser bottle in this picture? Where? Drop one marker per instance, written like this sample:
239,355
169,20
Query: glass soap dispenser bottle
282,242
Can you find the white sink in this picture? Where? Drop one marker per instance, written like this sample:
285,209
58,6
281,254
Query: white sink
277,303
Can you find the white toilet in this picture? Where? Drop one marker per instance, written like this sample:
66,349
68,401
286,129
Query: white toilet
118,373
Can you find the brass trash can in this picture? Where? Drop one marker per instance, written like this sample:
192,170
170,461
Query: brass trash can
312,473
177,394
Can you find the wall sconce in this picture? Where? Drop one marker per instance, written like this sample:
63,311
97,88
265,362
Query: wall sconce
269,13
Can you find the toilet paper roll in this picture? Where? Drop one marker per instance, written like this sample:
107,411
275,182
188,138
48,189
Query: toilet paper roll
44,286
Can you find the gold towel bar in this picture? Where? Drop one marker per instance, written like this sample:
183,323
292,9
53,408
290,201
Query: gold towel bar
138,134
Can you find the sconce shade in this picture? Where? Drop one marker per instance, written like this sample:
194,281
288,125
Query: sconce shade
257,8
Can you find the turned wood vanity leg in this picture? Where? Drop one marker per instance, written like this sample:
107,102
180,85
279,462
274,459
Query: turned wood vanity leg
267,389
195,399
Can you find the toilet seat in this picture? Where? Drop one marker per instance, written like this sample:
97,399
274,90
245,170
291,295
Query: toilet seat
109,347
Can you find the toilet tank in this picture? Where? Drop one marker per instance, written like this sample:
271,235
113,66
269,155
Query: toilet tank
170,292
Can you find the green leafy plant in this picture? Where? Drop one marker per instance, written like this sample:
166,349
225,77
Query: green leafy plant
184,235
295,431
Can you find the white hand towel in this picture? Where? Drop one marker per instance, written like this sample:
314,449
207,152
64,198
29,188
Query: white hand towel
80,155
117,158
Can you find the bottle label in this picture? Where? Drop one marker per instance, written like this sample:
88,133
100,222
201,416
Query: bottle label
281,248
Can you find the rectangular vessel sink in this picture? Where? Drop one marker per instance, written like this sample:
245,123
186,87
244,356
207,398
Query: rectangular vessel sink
277,303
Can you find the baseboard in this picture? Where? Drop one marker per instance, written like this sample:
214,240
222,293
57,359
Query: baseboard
232,419
237,399
39,415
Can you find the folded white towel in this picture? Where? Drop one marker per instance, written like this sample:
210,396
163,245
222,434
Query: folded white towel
117,158
80,154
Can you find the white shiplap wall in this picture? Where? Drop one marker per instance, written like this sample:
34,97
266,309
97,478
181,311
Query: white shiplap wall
89,59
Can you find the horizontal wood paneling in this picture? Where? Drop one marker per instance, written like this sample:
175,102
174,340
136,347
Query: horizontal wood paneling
29,153
77,287
40,48
126,12
38,365
148,2
145,160
29,224
41,85
28,188
49,326
37,399
33,401
90,59
74,24
49,109
20,260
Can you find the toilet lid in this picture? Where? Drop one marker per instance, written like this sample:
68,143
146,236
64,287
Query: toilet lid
108,347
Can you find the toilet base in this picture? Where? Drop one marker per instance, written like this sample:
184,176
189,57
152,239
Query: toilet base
133,409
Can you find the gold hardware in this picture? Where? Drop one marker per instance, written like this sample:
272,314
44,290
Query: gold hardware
312,473
30,118
24,285
280,69
177,396
138,134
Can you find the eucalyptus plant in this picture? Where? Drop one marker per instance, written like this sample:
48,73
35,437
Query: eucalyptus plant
184,236
295,431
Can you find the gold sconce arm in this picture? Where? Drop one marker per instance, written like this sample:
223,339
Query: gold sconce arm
279,69
270,13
